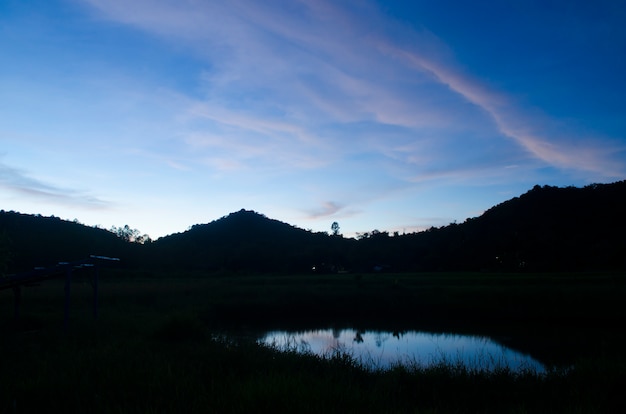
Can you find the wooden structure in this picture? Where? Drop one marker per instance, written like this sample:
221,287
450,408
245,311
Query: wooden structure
61,269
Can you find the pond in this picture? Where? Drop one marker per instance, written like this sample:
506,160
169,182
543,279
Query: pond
380,350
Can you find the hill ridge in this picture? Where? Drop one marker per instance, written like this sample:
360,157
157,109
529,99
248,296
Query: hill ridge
546,228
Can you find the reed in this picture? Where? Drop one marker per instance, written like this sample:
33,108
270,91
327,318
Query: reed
154,348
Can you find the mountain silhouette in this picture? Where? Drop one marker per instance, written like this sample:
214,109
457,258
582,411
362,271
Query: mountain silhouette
34,240
246,241
545,229
552,228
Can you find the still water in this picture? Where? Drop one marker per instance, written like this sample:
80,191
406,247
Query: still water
380,350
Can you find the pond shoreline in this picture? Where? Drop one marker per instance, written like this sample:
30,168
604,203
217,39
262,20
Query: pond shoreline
152,348
383,350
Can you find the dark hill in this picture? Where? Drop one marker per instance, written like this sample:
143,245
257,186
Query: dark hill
545,229
559,228
247,241
34,240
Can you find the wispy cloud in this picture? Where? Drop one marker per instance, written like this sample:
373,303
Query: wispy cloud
310,62
280,76
260,152
267,126
326,209
17,181
571,152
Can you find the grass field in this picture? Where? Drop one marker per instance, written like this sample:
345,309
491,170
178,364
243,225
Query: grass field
153,347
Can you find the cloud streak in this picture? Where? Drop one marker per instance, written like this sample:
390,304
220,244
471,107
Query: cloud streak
326,209
17,181
303,67
559,151
342,94
299,66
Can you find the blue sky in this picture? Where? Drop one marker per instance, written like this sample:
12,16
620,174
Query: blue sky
393,115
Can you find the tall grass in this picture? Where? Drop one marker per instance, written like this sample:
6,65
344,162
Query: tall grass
186,373
153,350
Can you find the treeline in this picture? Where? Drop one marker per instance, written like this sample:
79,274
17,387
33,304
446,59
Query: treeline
545,229
33,240
244,241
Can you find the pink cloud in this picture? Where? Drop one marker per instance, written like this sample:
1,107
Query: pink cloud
301,65
326,209
574,152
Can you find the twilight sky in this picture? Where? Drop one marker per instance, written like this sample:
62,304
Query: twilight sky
388,115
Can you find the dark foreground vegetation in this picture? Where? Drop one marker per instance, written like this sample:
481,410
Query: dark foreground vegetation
543,273
156,346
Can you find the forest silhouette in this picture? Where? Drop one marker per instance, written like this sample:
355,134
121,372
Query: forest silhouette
546,229
541,273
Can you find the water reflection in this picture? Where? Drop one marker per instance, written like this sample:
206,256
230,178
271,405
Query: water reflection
381,350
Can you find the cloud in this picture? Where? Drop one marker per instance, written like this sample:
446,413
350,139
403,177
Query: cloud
225,164
268,126
303,61
17,181
326,209
289,83
237,150
570,152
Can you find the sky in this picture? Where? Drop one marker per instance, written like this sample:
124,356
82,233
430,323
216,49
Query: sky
386,115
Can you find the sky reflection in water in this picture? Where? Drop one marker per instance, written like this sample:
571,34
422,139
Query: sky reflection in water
382,349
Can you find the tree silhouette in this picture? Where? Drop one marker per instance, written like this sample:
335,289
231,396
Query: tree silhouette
130,235
545,229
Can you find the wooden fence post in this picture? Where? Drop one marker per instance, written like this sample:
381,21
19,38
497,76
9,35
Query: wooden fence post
68,280
95,291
